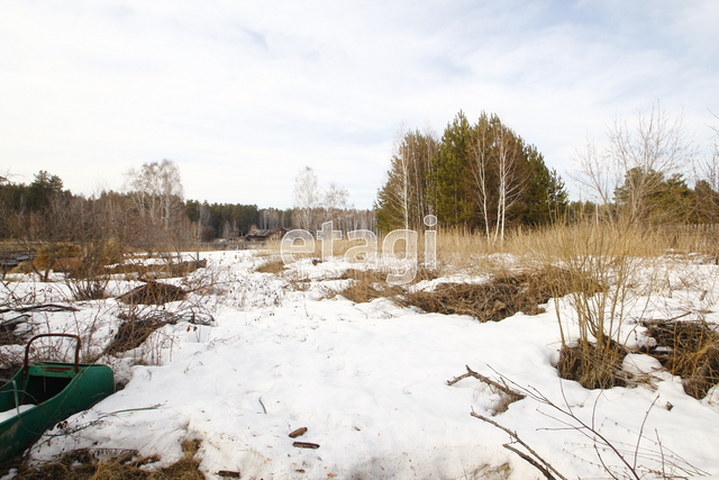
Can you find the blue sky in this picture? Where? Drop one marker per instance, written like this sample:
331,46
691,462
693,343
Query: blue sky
243,94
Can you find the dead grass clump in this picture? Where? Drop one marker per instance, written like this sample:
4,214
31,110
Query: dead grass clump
138,325
153,293
364,275
367,285
501,297
166,270
187,468
274,266
689,350
592,365
124,465
49,254
132,333
424,273
89,288
23,268
181,269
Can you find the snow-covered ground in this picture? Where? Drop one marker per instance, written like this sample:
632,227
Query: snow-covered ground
370,383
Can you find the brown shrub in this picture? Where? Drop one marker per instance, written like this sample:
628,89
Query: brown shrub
689,350
67,265
592,365
367,285
153,293
501,297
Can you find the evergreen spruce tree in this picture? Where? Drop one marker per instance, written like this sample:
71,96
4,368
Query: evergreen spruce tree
451,180
482,177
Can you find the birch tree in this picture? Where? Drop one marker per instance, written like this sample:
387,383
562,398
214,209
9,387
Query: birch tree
481,160
307,197
509,181
335,201
156,192
655,146
406,196
473,178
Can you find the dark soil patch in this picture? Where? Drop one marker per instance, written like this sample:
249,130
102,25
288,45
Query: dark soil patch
689,350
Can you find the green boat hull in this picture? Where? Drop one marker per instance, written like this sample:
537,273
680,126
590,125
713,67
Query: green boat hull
56,391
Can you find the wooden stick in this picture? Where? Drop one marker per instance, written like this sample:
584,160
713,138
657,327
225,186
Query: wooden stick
488,381
516,438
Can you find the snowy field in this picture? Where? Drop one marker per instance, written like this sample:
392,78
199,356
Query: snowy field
369,382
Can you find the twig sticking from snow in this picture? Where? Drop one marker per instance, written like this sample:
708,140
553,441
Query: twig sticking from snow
508,395
600,441
487,380
533,458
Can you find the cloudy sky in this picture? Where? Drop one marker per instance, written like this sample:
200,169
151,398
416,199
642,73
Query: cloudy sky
243,94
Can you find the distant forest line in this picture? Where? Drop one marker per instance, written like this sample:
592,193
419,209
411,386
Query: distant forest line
480,177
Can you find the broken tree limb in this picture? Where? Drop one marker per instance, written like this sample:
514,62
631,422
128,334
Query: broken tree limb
502,388
530,460
535,458
44,307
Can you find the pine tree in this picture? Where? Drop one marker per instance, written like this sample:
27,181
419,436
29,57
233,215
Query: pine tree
451,182
482,177
545,198
406,197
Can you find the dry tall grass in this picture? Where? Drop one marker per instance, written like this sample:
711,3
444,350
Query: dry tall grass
606,268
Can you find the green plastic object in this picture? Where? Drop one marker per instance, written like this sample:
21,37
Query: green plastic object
45,393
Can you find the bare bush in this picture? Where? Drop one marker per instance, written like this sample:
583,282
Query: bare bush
619,460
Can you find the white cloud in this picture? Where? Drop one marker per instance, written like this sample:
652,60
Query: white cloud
243,94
